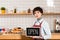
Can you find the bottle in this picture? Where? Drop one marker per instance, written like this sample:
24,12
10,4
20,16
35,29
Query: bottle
15,10
29,10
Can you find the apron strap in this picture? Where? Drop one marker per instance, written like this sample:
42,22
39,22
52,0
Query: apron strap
41,24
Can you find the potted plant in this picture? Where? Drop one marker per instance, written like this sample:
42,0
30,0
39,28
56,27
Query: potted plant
3,10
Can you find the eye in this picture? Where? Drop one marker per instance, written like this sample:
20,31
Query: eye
37,12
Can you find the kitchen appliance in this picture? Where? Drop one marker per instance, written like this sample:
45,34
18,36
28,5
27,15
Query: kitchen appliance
57,23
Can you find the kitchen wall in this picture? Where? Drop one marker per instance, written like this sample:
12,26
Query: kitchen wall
47,5
11,21
23,21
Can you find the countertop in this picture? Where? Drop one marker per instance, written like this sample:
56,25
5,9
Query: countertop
55,36
23,37
10,36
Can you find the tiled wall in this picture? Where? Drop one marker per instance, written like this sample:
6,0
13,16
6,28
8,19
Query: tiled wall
21,4
11,21
25,4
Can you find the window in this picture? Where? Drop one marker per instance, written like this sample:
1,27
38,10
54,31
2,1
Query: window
50,3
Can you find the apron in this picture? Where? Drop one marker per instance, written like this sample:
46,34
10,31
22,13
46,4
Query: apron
39,27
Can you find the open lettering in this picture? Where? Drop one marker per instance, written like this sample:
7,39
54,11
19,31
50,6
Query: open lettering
33,32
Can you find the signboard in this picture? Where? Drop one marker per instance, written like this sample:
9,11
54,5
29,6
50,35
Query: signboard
33,31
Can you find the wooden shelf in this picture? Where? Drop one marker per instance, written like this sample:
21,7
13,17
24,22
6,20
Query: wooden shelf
17,14
46,13
51,13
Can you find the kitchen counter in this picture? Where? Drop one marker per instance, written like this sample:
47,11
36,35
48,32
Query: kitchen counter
10,36
55,36
14,37
22,37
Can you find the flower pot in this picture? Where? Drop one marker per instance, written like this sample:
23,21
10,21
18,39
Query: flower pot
3,11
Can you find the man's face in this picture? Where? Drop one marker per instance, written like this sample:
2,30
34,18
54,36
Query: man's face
37,14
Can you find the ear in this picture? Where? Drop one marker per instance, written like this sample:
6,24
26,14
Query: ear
41,14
